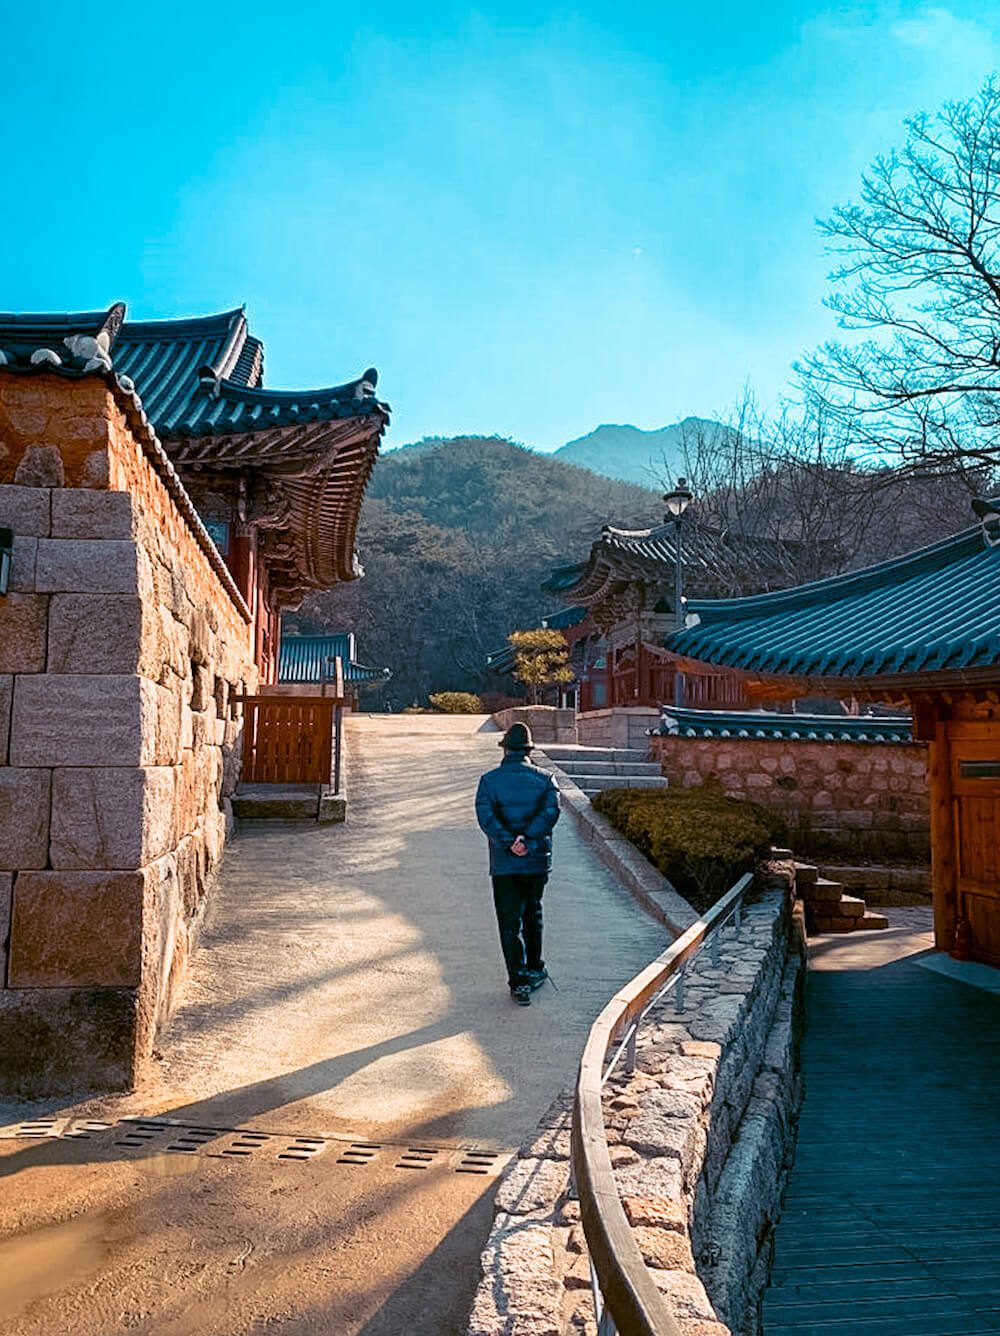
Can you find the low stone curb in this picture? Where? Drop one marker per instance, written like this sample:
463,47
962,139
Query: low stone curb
701,1136
635,872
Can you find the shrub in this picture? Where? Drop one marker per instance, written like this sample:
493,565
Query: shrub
699,839
456,702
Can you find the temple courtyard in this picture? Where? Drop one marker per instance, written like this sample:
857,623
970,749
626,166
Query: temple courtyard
346,1078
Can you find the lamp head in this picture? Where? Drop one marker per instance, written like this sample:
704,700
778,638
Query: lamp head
679,499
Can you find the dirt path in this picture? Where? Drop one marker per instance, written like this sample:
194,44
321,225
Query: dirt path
349,989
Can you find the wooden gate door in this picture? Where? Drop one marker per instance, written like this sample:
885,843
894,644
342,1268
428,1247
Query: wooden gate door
288,739
975,781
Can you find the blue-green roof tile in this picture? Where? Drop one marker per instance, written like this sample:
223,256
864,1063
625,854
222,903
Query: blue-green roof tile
933,612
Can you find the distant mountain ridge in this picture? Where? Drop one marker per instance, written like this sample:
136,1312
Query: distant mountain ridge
649,458
620,451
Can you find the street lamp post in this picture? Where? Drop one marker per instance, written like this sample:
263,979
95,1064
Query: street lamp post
677,502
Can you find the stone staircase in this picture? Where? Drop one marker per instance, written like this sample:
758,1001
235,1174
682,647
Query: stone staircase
829,908
596,768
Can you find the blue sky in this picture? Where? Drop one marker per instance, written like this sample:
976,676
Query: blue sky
532,220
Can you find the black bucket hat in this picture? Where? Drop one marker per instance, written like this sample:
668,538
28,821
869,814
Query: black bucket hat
517,738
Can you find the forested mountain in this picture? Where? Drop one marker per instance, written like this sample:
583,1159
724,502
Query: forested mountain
455,541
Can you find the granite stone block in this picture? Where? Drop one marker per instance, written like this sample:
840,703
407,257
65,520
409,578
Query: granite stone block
83,512
23,633
76,930
95,633
23,561
6,702
55,1041
81,720
26,510
87,566
24,818
111,818
6,893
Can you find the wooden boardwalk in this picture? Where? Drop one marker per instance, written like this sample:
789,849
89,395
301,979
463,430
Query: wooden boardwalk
891,1224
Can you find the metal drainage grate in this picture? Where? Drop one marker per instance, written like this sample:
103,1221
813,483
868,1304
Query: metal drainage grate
168,1135
359,1152
480,1162
417,1157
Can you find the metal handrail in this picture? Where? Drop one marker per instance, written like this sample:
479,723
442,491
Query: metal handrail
625,1296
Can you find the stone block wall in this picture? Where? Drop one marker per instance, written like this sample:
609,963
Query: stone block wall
701,1137
849,800
623,726
548,723
123,650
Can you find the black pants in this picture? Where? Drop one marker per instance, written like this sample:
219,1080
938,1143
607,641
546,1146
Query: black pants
518,902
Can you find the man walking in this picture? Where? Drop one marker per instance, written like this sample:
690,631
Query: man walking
516,806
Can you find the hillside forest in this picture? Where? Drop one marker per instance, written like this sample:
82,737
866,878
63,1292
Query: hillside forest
457,536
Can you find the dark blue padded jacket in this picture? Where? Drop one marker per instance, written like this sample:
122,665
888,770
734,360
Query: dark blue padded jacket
518,799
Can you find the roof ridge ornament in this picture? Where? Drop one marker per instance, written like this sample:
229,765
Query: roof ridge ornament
988,514
94,350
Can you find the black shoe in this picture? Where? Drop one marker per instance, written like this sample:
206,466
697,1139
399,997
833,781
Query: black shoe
535,978
521,995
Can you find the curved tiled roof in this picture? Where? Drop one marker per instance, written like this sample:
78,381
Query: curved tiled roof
564,618
196,377
710,557
304,659
765,724
933,612
199,381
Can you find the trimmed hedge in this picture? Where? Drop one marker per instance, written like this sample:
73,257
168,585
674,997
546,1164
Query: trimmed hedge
456,702
699,839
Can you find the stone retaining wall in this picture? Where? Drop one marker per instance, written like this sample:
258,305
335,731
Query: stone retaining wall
845,800
701,1138
548,723
625,727
123,651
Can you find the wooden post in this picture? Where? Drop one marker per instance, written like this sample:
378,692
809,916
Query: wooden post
942,814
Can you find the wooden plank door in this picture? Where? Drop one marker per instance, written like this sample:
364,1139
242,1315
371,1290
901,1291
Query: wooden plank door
975,782
288,739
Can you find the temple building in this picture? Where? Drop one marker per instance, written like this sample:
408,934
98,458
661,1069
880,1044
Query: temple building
923,631
276,476
306,664
627,589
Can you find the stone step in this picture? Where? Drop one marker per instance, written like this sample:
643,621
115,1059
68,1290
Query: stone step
849,906
276,802
610,768
873,920
805,874
614,754
598,783
822,890
833,923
